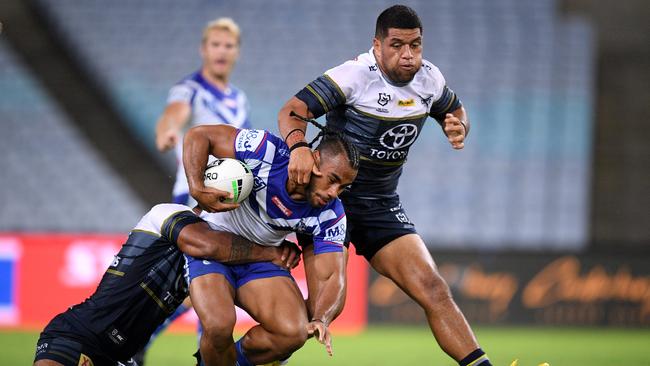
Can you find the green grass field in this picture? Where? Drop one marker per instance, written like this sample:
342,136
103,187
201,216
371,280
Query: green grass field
414,346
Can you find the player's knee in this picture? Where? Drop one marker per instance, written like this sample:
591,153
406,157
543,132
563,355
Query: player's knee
291,336
434,288
218,328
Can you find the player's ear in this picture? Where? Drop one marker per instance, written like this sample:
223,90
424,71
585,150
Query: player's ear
376,46
316,168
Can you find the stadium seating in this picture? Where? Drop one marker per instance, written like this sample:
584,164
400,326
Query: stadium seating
524,71
52,180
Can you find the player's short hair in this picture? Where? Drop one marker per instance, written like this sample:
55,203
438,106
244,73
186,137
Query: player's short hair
226,24
334,143
397,16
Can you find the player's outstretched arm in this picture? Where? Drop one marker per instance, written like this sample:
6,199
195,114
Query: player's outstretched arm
326,282
293,130
199,240
456,127
199,143
170,124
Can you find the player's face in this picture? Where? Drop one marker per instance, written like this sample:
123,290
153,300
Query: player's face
336,176
219,51
399,54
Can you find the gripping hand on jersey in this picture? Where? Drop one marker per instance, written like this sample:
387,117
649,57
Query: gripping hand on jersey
289,255
211,199
455,131
301,166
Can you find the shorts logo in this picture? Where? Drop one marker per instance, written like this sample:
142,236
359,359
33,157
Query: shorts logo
399,136
384,98
406,103
85,361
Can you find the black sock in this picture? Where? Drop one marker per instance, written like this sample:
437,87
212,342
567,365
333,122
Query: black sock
476,358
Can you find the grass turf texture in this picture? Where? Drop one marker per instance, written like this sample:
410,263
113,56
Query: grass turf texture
384,345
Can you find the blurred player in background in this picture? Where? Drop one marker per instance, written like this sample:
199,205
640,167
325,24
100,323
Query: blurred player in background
275,208
380,101
142,286
204,97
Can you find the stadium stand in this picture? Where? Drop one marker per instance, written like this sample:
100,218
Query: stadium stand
524,72
52,179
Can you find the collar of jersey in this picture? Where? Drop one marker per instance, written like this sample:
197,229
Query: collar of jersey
211,88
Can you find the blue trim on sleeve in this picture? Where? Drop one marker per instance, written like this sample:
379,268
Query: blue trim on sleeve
327,247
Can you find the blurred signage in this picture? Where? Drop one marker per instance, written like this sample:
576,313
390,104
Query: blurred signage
531,288
42,275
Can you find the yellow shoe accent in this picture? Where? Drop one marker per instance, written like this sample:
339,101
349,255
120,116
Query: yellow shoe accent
515,362
544,364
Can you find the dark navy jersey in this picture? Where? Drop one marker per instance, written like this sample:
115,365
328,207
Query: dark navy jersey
143,285
381,118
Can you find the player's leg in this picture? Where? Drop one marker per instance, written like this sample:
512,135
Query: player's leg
277,304
408,263
212,292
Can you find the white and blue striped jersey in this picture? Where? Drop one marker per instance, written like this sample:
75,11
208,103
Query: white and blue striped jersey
269,214
210,106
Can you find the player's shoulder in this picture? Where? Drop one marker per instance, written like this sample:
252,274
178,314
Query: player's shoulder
153,220
191,81
335,209
252,140
430,77
362,67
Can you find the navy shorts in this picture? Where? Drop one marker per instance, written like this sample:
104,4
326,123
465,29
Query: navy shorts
62,342
237,274
373,223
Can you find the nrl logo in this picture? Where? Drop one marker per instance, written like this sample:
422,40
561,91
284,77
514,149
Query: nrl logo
384,98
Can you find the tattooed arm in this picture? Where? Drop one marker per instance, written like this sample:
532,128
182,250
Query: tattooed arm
199,240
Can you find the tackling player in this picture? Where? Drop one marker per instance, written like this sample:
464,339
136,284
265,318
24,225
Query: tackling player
380,101
275,208
142,286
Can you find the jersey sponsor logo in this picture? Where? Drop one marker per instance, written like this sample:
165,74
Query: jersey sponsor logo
426,101
373,67
287,212
40,348
406,102
336,233
249,140
384,98
399,136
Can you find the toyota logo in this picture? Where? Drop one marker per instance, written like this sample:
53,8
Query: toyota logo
399,136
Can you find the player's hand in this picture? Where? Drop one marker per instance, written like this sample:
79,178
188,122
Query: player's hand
319,329
288,255
211,199
455,131
301,164
167,140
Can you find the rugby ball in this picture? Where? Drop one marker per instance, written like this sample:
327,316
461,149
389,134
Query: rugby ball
230,175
